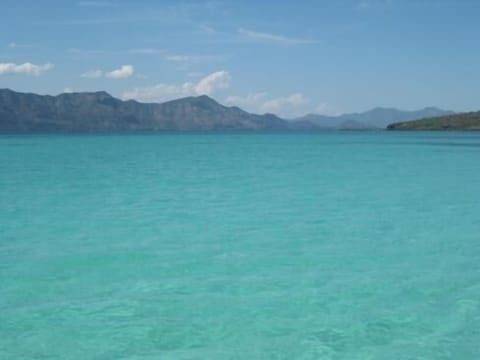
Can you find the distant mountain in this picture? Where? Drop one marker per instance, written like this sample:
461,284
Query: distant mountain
378,118
99,111
464,121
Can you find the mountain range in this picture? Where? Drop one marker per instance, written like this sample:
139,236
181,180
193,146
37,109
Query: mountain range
99,111
377,118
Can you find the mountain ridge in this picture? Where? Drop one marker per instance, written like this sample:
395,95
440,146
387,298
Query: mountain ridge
99,111
376,118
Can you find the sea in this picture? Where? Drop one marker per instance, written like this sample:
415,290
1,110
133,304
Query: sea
331,245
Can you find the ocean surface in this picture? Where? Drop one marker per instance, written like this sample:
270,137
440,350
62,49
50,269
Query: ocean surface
337,245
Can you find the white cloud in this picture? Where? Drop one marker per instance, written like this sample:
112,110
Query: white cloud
164,92
251,101
156,93
278,104
216,80
25,68
291,105
92,74
68,90
124,72
274,38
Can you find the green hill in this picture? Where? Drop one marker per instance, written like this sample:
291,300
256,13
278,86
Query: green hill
464,121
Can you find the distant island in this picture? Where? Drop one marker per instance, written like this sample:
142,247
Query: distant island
464,121
101,112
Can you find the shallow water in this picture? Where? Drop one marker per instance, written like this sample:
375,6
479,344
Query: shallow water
240,246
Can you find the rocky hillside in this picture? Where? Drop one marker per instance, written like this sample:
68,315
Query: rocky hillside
99,111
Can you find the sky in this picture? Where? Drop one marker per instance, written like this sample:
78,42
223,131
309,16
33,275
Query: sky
284,57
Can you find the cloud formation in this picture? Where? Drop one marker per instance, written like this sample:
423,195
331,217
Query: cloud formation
250,101
291,105
164,92
216,80
25,68
273,38
124,72
278,104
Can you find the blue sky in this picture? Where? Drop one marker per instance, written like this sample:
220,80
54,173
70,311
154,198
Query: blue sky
290,58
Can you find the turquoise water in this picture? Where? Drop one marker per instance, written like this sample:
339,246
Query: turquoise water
240,246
